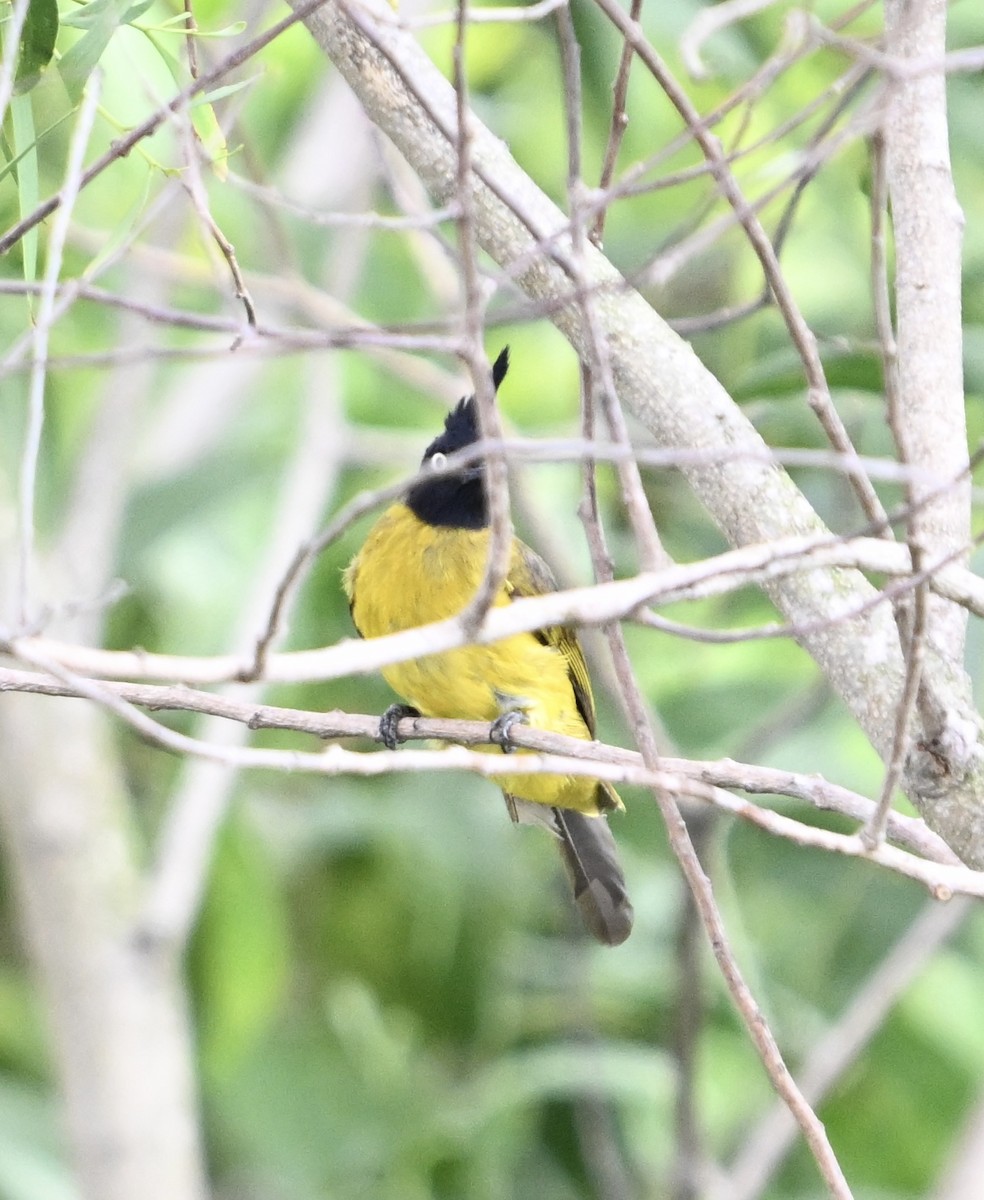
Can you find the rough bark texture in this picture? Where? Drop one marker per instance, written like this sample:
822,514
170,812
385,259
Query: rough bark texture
930,422
661,380
928,224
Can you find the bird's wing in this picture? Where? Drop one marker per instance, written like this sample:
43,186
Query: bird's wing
529,575
348,586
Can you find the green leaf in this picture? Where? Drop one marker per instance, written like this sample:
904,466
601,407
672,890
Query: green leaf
123,228
93,14
28,189
220,93
178,24
102,18
37,42
210,133
203,116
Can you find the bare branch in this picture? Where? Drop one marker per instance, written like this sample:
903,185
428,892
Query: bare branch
596,605
620,120
799,332
928,224
770,1141
926,858
499,552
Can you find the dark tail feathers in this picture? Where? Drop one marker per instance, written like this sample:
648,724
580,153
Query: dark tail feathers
591,859
591,862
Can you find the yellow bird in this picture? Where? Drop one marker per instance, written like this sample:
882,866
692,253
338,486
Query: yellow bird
422,561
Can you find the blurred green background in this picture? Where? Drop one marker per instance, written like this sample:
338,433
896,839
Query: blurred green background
391,995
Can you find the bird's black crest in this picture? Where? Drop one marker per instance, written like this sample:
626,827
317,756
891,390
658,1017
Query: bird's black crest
460,429
456,498
500,367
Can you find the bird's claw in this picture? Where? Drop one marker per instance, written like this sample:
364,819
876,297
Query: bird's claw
499,733
389,721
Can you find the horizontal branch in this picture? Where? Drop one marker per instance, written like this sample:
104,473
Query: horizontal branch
937,867
595,605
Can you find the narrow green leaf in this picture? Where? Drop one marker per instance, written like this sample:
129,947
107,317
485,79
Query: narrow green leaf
220,93
37,42
180,20
28,190
77,64
203,116
93,14
12,163
210,133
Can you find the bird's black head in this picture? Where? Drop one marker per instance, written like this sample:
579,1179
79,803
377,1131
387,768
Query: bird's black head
455,498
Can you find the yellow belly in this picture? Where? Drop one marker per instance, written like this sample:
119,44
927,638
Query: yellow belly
409,573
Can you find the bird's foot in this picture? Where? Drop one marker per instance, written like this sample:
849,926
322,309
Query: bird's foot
390,720
499,733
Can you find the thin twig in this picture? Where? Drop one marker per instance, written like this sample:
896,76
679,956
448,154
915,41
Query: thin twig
191,43
698,882
375,221
797,44
800,333
911,612
620,121
490,424
498,15
628,470
191,180
689,1020
651,552
898,68
764,1148
754,1019
820,150
42,330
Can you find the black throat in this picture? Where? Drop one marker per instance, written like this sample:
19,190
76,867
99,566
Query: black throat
452,501
455,499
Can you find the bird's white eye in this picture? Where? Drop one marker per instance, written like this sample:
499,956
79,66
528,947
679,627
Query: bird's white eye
438,461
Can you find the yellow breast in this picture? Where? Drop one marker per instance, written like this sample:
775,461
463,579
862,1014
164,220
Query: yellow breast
409,573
